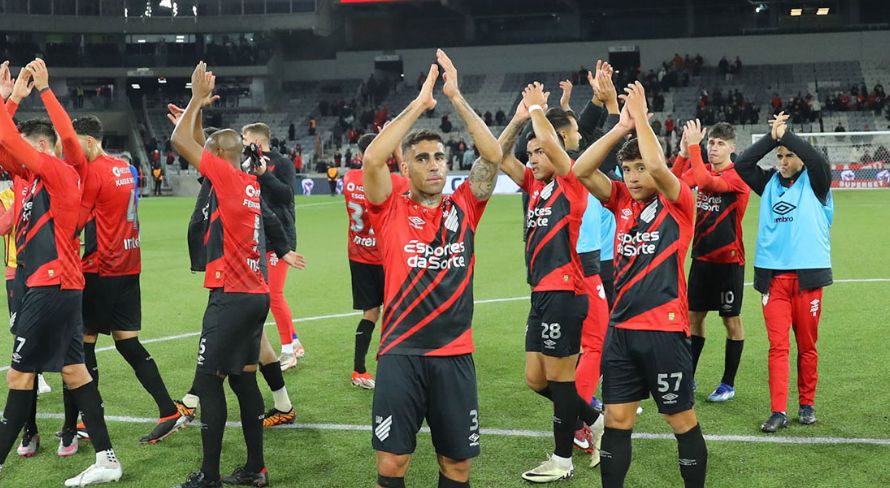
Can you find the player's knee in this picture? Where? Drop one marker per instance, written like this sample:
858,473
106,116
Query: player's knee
18,380
120,335
619,417
682,422
734,328
75,375
453,469
392,465
373,314
250,368
535,382
90,338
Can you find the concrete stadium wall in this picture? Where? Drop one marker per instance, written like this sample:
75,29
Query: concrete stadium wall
766,49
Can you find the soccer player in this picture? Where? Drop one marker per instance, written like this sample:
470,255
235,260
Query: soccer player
646,349
425,365
793,259
239,297
112,264
48,324
559,303
717,273
365,262
277,185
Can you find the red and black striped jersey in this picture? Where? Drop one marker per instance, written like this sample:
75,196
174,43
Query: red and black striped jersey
720,208
46,238
111,235
651,241
362,238
235,258
428,261
553,221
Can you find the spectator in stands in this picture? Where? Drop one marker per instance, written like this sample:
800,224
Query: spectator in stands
291,132
157,175
840,128
332,174
338,158
313,125
489,121
500,118
669,125
737,66
469,158
445,125
171,158
298,161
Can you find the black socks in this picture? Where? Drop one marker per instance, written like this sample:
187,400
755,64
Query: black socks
147,373
693,457
89,402
272,374
445,482
250,401
565,414
15,414
731,359
209,389
698,343
615,455
363,334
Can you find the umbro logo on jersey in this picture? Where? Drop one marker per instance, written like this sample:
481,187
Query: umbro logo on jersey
649,213
416,222
626,213
383,427
783,208
548,190
451,221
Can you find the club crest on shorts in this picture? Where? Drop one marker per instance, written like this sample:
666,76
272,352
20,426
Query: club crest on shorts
383,427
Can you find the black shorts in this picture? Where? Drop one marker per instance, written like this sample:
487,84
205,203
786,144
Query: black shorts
230,336
554,323
637,363
441,389
48,330
716,286
367,285
111,303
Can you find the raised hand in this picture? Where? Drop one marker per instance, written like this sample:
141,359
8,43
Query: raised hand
778,125
203,82
425,97
40,73
295,260
684,145
6,81
693,133
635,101
565,99
591,77
534,95
521,114
625,121
605,89
174,113
451,88
23,86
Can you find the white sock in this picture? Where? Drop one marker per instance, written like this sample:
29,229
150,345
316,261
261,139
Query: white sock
282,401
107,458
287,348
190,401
562,462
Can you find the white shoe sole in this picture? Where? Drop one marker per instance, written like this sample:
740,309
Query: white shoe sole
537,478
363,385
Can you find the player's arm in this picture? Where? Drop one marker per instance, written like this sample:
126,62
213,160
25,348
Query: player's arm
71,148
276,240
746,164
484,172
91,188
653,155
817,165
279,192
701,177
183,137
511,166
535,99
18,152
6,81
587,166
377,179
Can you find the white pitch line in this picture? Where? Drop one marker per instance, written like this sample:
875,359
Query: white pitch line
764,439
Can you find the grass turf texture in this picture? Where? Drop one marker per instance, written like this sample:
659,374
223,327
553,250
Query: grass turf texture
849,403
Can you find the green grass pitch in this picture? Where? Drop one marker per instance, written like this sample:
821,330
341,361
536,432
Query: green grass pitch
851,399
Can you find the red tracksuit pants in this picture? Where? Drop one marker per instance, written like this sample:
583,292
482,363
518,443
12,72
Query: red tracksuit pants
593,333
284,319
787,307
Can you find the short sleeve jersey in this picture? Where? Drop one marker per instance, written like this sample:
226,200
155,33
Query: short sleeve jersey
235,259
428,261
651,241
553,219
111,245
362,238
47,244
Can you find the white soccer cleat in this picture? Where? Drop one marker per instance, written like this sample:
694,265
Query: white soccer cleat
596,431
363,380
299,351
42,386
106,469
549,471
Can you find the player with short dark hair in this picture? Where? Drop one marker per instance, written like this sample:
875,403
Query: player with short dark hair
717,273
646,349
111,263
239,297
559,302
792,263
48,324
425,365
365,261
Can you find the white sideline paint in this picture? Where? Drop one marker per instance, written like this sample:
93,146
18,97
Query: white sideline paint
764,439
356,314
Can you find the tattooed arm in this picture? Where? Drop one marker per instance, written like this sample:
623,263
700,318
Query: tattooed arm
484,172
511,166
